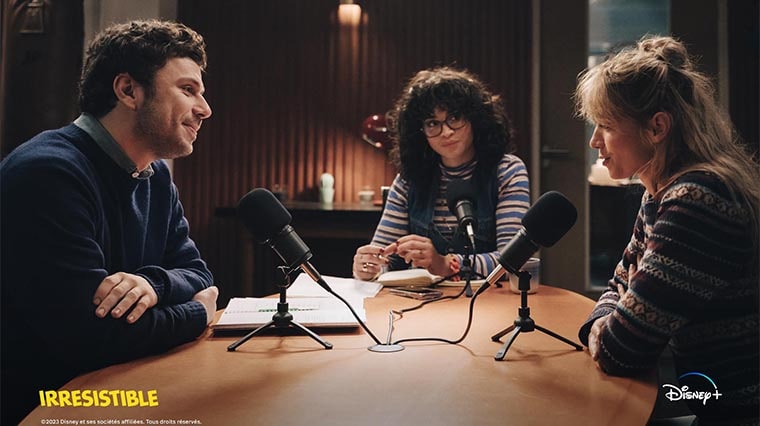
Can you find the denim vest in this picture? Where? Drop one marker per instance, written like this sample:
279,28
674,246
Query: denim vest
421,207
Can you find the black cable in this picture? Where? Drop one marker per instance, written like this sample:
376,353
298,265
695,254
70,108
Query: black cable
351,308
434,284
466,331
480,290
441,280
400,312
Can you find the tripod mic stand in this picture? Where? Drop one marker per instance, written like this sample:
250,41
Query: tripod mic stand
282,319
467,272
524,323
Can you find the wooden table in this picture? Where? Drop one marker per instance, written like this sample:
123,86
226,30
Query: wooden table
292,380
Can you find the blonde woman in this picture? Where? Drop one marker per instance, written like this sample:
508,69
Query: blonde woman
689,276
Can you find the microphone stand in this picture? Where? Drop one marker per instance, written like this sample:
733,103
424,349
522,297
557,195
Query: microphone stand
466,270
524,323
282,319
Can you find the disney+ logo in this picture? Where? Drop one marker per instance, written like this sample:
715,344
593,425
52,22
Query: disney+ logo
674,393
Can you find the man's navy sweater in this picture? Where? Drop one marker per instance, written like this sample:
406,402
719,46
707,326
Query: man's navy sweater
69,217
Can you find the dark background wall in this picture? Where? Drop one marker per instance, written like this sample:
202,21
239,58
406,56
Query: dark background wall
290,87
41,55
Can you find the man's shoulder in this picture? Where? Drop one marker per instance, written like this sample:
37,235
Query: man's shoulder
48,157
47,149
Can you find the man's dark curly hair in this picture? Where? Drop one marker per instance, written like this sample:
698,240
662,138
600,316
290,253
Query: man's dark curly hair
457,92
138,48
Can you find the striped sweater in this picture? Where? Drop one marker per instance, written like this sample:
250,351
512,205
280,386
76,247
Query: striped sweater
691,281
512,203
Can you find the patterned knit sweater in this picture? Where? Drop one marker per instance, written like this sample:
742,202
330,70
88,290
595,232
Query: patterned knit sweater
691,281
513,201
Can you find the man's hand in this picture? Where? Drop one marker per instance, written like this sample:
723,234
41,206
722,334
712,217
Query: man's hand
120,292
207,297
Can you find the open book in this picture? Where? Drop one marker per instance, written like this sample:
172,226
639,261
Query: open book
418,277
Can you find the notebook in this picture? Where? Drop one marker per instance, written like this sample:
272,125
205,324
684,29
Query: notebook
419,277
243,313
406,277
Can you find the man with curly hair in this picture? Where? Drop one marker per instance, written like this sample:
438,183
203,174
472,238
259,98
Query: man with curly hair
97,264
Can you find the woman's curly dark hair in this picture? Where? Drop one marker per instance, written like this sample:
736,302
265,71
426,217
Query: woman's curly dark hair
457,92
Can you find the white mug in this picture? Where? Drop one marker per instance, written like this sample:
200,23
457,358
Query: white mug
366,196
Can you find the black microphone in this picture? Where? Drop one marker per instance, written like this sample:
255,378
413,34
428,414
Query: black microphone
544,224
460,196
269,222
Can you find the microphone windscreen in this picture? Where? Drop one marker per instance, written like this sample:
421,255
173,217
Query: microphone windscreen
549,218
458,190
263,214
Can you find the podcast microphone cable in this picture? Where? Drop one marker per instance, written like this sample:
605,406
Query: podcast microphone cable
543,225
480,290
471,310
400,312
324,285
321,281
468,270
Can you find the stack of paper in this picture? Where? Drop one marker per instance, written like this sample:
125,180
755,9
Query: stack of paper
310,305
251,312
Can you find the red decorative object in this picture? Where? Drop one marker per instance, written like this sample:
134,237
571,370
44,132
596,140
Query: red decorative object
375,131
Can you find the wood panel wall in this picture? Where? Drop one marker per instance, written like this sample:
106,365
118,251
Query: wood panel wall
40,64
290,86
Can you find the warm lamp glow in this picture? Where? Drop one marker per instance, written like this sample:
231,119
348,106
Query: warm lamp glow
349,13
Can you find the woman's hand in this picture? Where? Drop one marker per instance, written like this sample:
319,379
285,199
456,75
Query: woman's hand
420,252
369,261
594,336
594,343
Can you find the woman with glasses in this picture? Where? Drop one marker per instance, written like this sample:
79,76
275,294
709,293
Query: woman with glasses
446,126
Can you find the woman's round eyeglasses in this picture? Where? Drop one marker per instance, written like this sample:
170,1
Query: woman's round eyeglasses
432,127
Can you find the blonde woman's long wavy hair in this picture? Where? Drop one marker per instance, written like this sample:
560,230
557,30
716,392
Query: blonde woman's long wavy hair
655,75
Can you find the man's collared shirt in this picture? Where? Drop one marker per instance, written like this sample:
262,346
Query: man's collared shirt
107,143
